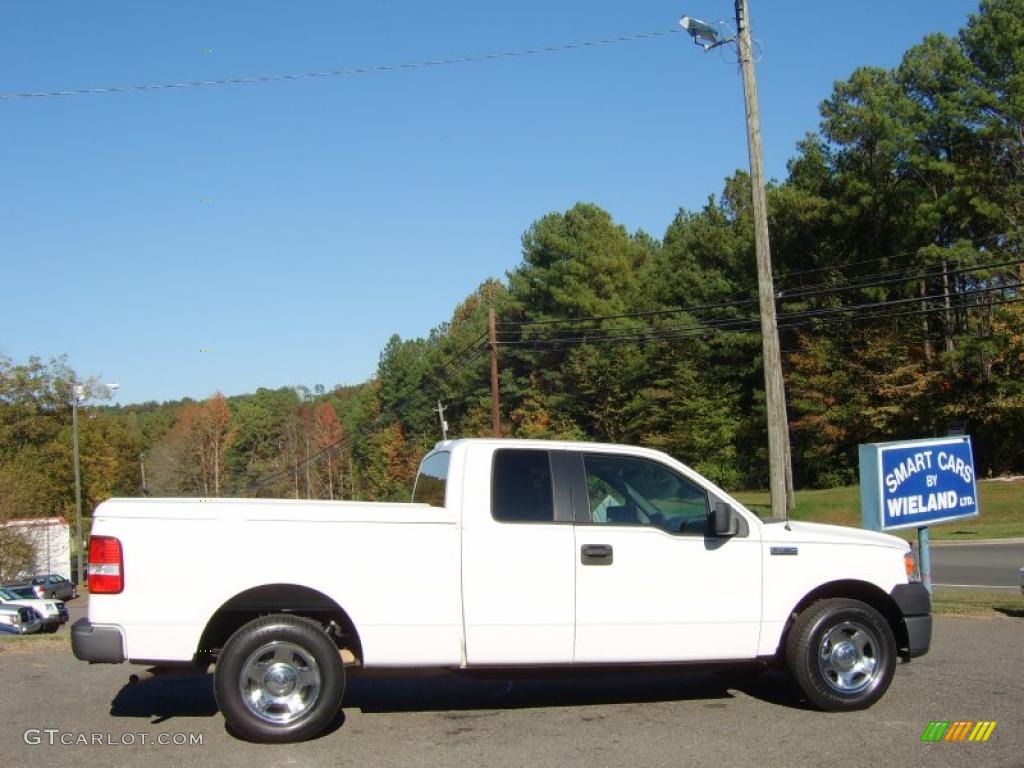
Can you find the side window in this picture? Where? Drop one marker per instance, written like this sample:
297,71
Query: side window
432,480
521,486
625,490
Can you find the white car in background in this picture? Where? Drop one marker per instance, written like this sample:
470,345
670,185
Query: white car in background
52,613
18,620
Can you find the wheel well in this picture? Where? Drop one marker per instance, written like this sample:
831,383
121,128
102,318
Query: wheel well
855,590
277,598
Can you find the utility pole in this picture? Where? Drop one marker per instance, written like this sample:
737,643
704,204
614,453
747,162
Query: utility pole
79,396
444,424
492,332
142,466
779,468
76,392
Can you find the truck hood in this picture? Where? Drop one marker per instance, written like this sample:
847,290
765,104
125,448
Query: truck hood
818,533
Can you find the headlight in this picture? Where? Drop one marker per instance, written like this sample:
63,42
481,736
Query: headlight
910,563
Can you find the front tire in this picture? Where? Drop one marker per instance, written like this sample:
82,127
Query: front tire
279,679
842,654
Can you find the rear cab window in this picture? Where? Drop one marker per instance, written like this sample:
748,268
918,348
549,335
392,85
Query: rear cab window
432,480
521,486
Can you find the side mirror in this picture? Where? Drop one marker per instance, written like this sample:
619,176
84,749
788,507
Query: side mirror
724,520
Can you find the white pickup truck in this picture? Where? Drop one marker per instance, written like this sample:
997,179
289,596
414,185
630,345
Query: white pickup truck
512,553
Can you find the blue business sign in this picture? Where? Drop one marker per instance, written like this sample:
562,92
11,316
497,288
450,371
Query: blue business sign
917,482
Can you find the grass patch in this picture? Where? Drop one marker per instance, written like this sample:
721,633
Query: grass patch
964,602
59,641
1002,510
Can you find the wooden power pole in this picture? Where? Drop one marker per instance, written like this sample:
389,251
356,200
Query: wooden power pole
779,472
492,333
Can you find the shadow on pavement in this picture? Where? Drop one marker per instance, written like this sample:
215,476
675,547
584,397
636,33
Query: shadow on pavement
773,687
162,698
374,692
191,695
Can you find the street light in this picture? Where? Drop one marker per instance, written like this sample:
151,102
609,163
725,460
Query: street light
701,30
79,396
780,471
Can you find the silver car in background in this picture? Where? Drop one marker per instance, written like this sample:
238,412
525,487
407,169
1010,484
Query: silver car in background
52,613
18,620
52,585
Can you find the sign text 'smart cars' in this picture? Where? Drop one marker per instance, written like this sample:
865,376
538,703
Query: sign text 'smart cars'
917,482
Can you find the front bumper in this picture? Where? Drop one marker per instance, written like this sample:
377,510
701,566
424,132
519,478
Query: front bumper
915,605
58,619
97,644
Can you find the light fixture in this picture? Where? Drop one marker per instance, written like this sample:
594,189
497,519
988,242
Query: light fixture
702,31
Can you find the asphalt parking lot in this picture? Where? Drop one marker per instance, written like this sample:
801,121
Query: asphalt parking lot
621,718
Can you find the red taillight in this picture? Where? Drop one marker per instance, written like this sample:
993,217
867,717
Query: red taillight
106,565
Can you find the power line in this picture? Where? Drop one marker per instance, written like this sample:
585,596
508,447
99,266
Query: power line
802,293
785,320
350,70
477,347
624,315
894,277
423,389
889,257
692,333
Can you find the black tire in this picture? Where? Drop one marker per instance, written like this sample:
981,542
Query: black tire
842,654
298,666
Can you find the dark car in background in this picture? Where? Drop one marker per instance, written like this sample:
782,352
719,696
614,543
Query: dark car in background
53,586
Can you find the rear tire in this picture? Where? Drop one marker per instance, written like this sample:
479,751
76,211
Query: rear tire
842,654
279,679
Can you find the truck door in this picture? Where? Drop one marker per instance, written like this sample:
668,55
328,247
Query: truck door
518,578
651,583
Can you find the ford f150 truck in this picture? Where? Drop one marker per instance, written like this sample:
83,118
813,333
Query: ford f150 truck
512,553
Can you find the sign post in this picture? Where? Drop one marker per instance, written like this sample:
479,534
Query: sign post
917,483
925,563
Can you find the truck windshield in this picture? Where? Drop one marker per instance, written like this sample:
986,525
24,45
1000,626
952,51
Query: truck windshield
432,480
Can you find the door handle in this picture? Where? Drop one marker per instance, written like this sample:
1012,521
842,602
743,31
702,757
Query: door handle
596,554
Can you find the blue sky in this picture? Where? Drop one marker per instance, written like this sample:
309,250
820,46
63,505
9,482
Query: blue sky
343,210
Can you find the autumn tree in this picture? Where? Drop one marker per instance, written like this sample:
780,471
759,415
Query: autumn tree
191,459
327,435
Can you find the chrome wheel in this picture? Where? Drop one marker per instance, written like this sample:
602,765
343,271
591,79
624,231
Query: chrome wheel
849,657
279,682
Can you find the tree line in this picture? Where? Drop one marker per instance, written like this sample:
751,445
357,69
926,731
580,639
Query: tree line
896,240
